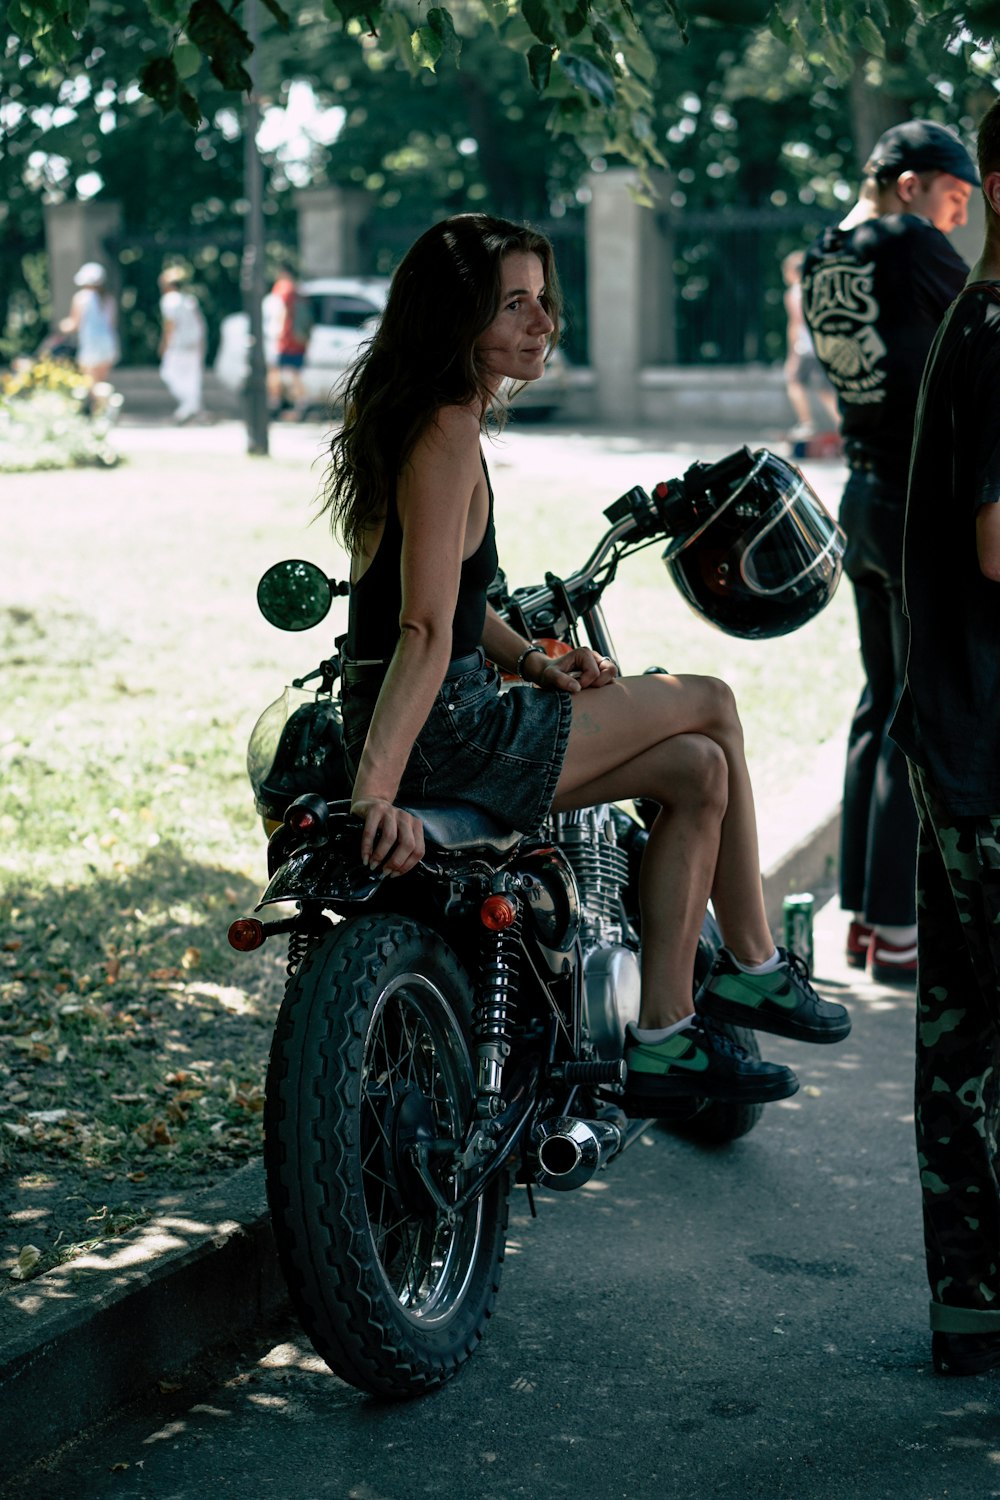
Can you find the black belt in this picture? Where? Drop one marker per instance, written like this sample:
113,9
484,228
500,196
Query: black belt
863,463
374,671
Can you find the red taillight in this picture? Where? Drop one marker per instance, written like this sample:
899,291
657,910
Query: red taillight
246,933
498,913
301,819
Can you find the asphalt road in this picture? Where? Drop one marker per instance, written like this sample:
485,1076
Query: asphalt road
748,1322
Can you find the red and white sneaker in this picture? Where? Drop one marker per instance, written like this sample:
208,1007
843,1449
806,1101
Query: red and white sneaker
859,936
892,963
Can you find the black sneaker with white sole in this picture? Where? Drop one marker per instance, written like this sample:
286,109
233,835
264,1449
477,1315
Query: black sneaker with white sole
780,1000
699,1061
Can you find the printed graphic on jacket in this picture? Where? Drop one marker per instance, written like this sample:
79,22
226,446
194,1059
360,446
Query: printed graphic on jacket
842,311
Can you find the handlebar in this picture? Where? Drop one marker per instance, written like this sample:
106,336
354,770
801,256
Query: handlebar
637,519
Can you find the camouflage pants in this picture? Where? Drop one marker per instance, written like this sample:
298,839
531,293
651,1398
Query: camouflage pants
958,1059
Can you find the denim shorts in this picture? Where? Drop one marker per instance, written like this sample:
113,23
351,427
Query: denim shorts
502,751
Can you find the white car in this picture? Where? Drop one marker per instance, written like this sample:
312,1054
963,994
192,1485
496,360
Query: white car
345,311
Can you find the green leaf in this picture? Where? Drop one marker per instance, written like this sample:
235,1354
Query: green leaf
187,59
868,34
77,12
576,14
158,81
539,17
540,67
679,18
443,27
586,75
223,41
189,108
427,47
399,38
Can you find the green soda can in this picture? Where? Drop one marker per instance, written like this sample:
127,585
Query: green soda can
797,912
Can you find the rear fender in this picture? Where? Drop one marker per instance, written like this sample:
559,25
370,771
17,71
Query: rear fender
327,869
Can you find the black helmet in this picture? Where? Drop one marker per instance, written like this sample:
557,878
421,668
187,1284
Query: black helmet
296,746
761,554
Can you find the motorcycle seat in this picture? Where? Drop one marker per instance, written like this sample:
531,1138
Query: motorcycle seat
458,826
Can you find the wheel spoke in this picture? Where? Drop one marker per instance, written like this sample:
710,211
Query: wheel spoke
416,1067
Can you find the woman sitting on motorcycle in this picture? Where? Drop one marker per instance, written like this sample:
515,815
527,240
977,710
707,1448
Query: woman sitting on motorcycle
475,302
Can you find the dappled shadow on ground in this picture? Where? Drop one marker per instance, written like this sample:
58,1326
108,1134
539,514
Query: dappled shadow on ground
137,1041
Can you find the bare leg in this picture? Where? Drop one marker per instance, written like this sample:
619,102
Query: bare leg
828,401
612,728
687,776
799,402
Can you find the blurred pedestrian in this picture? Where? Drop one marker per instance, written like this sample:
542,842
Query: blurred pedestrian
93,323
293,326
874,291
802,369
182,343
948,723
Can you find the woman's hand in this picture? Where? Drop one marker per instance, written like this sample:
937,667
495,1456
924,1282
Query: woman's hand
392,840
575,670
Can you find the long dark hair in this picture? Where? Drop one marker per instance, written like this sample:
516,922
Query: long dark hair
445,293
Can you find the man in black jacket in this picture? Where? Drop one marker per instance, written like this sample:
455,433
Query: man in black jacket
874,291
948,722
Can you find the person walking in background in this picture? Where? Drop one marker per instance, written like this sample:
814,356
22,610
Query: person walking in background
93,323
802,368
874,291
948,723
293,322
182,343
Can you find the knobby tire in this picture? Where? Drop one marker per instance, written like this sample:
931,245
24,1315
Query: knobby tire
373,1050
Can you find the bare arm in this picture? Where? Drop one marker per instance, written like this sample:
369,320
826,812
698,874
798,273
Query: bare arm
434,499
988,540
578,669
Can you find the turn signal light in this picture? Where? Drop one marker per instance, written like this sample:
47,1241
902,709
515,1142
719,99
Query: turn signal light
246,934
498,913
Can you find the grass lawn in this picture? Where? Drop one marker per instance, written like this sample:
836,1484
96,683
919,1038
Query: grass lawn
134,665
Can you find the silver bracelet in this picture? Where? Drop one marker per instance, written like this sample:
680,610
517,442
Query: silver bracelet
519,668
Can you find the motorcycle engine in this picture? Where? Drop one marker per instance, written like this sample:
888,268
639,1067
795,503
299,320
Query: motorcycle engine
610,949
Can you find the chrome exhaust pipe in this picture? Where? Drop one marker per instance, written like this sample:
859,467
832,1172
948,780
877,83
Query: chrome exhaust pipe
568,1152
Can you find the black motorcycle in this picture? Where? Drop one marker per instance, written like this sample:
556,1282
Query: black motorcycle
445,1035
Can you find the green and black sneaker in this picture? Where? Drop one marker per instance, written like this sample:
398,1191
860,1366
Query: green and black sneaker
698,1062
781,1000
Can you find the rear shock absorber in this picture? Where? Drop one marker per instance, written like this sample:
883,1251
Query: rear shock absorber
496,996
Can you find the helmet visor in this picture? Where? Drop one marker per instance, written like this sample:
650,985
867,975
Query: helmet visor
768,557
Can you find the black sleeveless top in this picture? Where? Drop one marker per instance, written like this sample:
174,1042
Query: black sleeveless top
376,599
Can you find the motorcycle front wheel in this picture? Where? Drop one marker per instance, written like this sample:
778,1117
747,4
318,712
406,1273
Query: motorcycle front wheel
372,1059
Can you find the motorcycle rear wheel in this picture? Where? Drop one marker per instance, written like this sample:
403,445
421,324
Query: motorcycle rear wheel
372,1054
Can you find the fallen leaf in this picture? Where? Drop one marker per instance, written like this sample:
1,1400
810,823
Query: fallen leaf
27,1260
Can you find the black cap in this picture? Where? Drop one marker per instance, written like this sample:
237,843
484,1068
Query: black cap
921,146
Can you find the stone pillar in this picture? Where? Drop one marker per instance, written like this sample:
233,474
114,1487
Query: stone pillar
331,220
629,311
75,232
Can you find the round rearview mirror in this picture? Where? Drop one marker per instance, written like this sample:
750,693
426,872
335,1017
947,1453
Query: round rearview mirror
294,595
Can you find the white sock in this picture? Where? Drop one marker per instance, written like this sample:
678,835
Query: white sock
764,968
660,1033
900,937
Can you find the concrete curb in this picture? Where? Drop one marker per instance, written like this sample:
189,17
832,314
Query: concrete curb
80,1341
809,866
